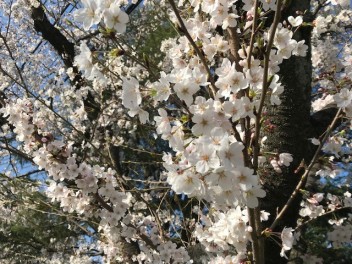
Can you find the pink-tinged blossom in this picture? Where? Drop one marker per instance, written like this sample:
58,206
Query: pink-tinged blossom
315,141
323,103
41,158
220,177
286,51
244,176
204,158
115,18
248,5
333,146
269,4
224,88
203,123
230,21
254,75
218,138
88,183
225,68
56,191
161,88
277,90
209,6
285,159
84,60
231,155
251,195
300,49
89,15
162,122
287,240
221,44
72,172
210,51
220,117
248,107
200,77
200,105
131,96
237,81
224,229
230,82
227,196
295,21
198,29
176,139
343,98
274,62
282,38
264,216
235,109
219,15
185,91
185,182
142,114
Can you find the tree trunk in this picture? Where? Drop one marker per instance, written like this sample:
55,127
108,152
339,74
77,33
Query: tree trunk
290,134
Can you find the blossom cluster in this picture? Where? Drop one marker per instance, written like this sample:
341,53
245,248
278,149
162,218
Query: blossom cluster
205,102
108,11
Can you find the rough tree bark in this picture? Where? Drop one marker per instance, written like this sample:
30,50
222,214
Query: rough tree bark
291,131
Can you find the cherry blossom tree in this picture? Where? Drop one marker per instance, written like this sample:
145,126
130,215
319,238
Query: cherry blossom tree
181,132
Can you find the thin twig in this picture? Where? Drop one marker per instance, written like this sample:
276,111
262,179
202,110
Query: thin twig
320,6
265,84
254,25
306,173
254,214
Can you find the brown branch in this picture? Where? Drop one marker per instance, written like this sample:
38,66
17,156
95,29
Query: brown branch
254,214
234,47
132,7
66,51
50,33
320,6
265,84
254,25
